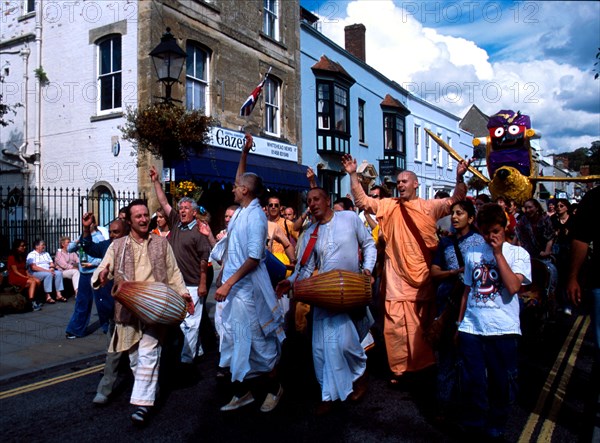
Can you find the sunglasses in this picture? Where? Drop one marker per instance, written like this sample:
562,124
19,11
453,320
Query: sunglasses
374,196
273,205
202,210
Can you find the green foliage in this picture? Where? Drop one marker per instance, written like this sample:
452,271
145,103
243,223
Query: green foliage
584,156
166,130
41,75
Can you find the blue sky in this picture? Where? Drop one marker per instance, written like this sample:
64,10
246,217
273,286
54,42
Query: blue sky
536,57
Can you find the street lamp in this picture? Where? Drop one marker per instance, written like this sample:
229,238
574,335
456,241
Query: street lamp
168,59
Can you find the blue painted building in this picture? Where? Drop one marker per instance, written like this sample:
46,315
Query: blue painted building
349,107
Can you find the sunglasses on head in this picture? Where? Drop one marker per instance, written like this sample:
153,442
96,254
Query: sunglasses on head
201,210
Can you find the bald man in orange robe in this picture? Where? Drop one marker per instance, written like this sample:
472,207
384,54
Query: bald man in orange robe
409,293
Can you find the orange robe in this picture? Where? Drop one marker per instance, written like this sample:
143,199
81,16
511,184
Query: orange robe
409,294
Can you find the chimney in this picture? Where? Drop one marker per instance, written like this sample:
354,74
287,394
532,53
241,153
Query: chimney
355,40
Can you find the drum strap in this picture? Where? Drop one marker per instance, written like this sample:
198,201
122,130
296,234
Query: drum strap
310,246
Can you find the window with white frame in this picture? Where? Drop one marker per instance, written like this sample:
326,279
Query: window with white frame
272,90
427,148
440,154
417,142
28,6
449,157
196,78
361,121
109,73
333,109
271,18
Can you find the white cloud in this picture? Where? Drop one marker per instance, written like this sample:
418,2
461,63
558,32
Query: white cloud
527,65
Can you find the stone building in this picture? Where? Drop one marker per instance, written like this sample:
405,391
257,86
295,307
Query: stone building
76,67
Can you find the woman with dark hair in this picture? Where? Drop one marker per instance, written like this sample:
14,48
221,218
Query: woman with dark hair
551,207
534,230
18,275
562,223
447,270
536,235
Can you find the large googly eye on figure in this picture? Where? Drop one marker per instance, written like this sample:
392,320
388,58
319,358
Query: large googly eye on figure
498,132
494,275
477,273
513,129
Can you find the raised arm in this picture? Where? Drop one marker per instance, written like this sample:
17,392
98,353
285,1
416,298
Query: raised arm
361,200
460,189
160,192
241,170
310,175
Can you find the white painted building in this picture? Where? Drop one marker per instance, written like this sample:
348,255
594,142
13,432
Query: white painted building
349,107
66,134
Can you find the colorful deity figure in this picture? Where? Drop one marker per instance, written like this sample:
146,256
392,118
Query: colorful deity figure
509,142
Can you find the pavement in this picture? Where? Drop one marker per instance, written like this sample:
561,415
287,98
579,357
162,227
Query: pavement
35,341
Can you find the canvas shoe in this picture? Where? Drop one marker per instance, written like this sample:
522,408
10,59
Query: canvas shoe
271,400
238,402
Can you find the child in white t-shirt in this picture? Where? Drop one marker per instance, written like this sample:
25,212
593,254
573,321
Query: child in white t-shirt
489,324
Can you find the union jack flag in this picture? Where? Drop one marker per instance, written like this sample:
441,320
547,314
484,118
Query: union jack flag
252,99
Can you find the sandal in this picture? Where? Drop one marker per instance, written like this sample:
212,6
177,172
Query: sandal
61,298
49,300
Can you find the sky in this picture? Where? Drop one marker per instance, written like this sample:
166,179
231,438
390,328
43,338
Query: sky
533,57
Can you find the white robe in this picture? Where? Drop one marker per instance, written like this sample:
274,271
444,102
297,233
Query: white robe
338,356
252,319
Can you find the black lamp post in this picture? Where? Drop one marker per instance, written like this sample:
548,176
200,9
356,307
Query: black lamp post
168,59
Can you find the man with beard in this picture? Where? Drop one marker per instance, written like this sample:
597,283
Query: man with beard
408,226
145,258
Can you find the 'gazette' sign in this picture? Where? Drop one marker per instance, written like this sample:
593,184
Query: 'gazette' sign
228,139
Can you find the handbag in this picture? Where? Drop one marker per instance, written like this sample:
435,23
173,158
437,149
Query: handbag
444,326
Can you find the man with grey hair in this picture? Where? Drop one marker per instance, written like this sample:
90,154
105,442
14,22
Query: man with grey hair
191,250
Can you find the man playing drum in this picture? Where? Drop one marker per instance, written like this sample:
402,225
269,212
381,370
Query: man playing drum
339,359
144,258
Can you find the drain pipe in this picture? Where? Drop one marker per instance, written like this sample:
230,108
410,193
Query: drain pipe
38,93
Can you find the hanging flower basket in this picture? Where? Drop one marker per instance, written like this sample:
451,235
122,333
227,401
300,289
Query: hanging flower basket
166,130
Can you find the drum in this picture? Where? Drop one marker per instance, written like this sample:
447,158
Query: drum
151,302
335,290
275,267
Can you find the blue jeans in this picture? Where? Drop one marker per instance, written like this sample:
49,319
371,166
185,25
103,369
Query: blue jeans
83,306
488,380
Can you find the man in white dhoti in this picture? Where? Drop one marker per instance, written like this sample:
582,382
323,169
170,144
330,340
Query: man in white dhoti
143,258
252,320
338,356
